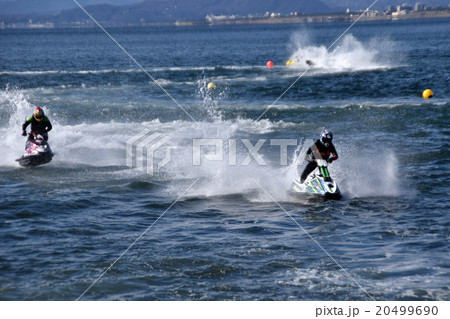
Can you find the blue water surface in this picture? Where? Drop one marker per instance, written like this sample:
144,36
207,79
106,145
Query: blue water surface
224,229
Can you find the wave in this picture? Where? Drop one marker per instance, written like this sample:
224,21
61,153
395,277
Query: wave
348,55
129,71
16,106
63,72
236,172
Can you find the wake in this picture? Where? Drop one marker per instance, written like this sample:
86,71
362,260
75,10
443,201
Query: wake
348,55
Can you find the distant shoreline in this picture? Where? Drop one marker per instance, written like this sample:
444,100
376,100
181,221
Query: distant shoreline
319,18
322,18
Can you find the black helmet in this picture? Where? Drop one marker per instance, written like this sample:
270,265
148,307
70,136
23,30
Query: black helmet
326,138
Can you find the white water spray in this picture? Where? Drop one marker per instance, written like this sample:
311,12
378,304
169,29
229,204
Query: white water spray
348,55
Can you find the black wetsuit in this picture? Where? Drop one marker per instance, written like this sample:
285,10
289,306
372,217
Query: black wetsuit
42,127
317,151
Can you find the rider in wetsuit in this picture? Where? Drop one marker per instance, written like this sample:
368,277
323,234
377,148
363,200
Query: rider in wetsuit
39,123
323,148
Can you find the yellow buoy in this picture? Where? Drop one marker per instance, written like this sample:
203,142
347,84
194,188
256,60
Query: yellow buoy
427,94
290,62
211,86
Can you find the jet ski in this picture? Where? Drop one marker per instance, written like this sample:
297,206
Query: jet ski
37,151
318,184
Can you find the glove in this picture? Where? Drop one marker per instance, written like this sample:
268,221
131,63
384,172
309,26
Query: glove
331,159
24,133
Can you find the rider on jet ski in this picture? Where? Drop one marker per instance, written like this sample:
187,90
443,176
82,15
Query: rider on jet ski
39,123
321,149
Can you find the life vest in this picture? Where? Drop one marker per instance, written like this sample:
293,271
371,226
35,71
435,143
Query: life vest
322,151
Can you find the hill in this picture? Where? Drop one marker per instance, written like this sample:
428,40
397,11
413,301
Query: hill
10,7
160,11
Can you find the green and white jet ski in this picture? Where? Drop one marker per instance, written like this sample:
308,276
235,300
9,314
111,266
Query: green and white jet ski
319,184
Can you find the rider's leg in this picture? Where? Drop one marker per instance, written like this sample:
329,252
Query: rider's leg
308,169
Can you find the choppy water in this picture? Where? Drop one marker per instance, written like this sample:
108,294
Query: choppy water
225,238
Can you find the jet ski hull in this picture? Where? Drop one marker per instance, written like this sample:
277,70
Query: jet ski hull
316,186
35,160
37,152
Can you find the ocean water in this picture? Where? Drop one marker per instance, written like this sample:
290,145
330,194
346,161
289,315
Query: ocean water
227,229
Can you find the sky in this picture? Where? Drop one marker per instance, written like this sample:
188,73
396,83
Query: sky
333,2
83,1
27,6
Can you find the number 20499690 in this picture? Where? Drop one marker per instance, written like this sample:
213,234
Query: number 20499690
407,310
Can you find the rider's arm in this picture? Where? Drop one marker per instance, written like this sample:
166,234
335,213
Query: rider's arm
49,125
333,151
308,156
26,123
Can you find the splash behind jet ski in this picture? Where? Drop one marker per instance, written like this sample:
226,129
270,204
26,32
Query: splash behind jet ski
37,151
317,184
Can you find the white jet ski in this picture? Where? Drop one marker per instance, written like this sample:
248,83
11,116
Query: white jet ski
318,184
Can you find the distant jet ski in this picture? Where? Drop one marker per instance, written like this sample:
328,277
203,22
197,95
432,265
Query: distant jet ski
317,184
37,151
